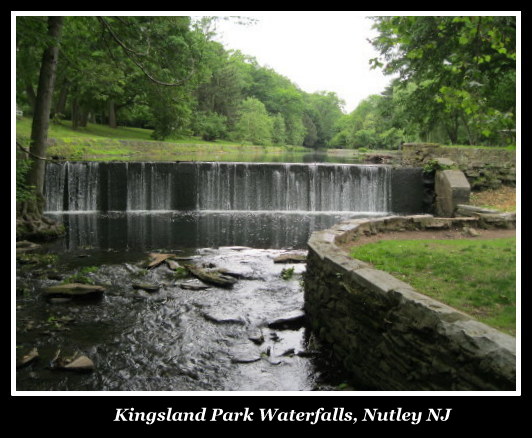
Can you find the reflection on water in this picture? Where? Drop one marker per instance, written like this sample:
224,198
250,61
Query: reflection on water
177,230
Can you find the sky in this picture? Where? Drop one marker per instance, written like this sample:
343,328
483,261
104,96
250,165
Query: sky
318,51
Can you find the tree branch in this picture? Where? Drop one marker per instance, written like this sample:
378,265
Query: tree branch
129,52
33,155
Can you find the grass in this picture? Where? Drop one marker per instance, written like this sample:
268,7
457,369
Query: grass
100,142
475,276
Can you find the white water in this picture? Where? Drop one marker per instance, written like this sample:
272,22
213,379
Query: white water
92,186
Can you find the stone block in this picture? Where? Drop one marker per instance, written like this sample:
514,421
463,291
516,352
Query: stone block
471,210
451,188
377,281
444,161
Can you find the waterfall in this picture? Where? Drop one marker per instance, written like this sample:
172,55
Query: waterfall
72,186
202,186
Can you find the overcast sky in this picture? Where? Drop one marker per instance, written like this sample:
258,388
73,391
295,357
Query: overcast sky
318,51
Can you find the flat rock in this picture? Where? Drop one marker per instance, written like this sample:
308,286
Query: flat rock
220,318
185,258
172,264
211,276
193,285
74,290
148,287
158,258
28,358
240,275
26,246
59,300
80,364
291,321
245,359
291,258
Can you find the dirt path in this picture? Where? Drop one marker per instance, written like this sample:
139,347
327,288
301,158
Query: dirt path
432,234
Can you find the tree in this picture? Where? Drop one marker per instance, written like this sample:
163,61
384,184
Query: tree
32,220
458,64
254,125
209,125
324,108
227,84
279,130
371,125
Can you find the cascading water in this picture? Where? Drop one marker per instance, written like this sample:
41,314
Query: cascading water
72,186
76,187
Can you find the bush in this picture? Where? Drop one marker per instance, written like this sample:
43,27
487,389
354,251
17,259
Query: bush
210,126
23,191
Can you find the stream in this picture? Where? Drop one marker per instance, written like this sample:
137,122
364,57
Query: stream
174,339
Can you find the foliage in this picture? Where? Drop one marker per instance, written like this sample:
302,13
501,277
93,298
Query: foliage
369,126
166,74
82,276
279,130
254,125
287,273
181,272
24,192
432,166
210,125
460,73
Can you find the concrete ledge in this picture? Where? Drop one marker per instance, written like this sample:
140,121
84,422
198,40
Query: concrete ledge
387,335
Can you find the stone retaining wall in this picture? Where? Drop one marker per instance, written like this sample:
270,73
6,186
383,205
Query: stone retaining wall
485,168
388,336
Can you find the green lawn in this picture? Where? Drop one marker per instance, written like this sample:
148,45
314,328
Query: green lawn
100,142
475,276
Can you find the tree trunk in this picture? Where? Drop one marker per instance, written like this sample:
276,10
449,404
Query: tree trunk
112,114
43,103
83,117
468,129
32,221
61,101
30,92
451,126
75,113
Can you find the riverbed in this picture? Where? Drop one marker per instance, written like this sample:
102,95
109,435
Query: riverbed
173,339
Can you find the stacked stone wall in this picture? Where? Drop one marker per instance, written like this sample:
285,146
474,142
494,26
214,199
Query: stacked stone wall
485,168
388,336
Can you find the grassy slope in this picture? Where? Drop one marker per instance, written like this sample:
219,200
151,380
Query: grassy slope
100,142
475,276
